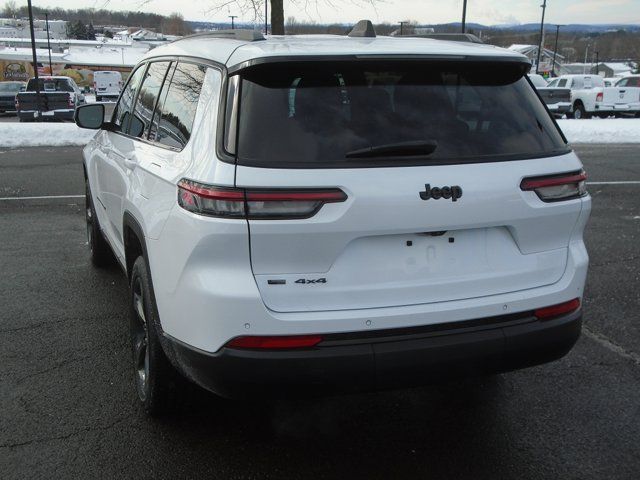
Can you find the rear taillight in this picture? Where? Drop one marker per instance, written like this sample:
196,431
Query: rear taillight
254,203
599,97
70,101
275,343
17,102
554,188
547,313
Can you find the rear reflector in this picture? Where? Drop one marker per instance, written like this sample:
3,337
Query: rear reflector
555,188
260,204
275,343
553,311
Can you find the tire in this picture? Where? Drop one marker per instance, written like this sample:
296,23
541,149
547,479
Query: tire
99,250
157,383
579,113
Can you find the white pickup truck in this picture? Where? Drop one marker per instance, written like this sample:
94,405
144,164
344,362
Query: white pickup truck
590,97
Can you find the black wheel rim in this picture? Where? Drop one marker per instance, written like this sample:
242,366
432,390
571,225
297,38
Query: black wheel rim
140,340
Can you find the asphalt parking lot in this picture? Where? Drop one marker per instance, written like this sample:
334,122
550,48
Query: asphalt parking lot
68,407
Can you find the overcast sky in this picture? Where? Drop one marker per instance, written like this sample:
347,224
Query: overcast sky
488,12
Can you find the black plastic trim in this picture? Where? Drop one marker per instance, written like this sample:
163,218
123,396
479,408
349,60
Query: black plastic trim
400,361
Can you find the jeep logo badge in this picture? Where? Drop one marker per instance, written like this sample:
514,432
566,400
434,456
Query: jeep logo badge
453,192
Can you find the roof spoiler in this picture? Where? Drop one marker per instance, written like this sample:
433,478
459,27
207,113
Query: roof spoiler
362,29
452,37
242,34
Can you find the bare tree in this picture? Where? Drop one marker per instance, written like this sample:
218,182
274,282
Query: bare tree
256,7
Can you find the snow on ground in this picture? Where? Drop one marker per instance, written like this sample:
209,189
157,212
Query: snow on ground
602,130
624,130
43,134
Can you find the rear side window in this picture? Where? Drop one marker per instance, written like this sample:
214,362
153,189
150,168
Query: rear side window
122,112
147,98
320,115
177,108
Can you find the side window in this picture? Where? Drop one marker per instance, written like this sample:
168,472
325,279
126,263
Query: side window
562,83
622,83
178,109
578,83
121,114
147,97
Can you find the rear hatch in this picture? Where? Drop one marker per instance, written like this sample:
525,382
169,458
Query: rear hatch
430,158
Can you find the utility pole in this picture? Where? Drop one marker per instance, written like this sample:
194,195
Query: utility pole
232,17
35,61
401,25
46,19
597,63
266,12
555,51
540,46
586,55
464,16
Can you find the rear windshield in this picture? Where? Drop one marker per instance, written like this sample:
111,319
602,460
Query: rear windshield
50,85
317,114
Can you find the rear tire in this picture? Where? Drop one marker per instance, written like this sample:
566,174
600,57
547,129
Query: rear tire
579,112
99,249
158,384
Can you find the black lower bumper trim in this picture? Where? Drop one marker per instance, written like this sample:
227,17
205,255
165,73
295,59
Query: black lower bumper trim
402,361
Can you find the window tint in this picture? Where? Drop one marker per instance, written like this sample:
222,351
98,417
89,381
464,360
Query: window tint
147,97
121,114
177,109
316,115
562,83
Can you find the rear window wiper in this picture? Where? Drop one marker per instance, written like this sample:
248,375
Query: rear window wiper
402,149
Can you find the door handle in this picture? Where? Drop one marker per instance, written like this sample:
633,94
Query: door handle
130,162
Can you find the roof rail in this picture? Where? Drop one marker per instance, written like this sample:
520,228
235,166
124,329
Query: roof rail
364,28
242,34
452,37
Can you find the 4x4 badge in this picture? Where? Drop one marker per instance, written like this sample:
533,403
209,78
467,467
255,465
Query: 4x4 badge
453,192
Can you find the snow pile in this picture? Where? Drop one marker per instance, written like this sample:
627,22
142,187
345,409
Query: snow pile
43,134
602,130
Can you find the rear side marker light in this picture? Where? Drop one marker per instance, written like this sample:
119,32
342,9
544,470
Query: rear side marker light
547,313
275,343
256,204
555,188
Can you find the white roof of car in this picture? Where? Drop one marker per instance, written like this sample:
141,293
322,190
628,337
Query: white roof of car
232,52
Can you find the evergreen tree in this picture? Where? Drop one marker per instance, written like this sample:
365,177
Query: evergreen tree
91,33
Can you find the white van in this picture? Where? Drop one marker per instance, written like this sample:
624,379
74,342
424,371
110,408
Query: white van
107,84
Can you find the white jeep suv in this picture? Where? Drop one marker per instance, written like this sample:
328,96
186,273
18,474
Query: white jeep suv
314,214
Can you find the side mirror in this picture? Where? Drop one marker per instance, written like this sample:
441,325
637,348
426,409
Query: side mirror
90,116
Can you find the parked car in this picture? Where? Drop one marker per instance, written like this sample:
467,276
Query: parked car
557,99
107,84
8,92
589,97
58,99
301,217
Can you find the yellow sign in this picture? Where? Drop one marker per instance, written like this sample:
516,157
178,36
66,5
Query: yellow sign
15,70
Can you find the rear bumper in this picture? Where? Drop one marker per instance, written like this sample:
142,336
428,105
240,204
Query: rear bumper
51,115
383,359
559,108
